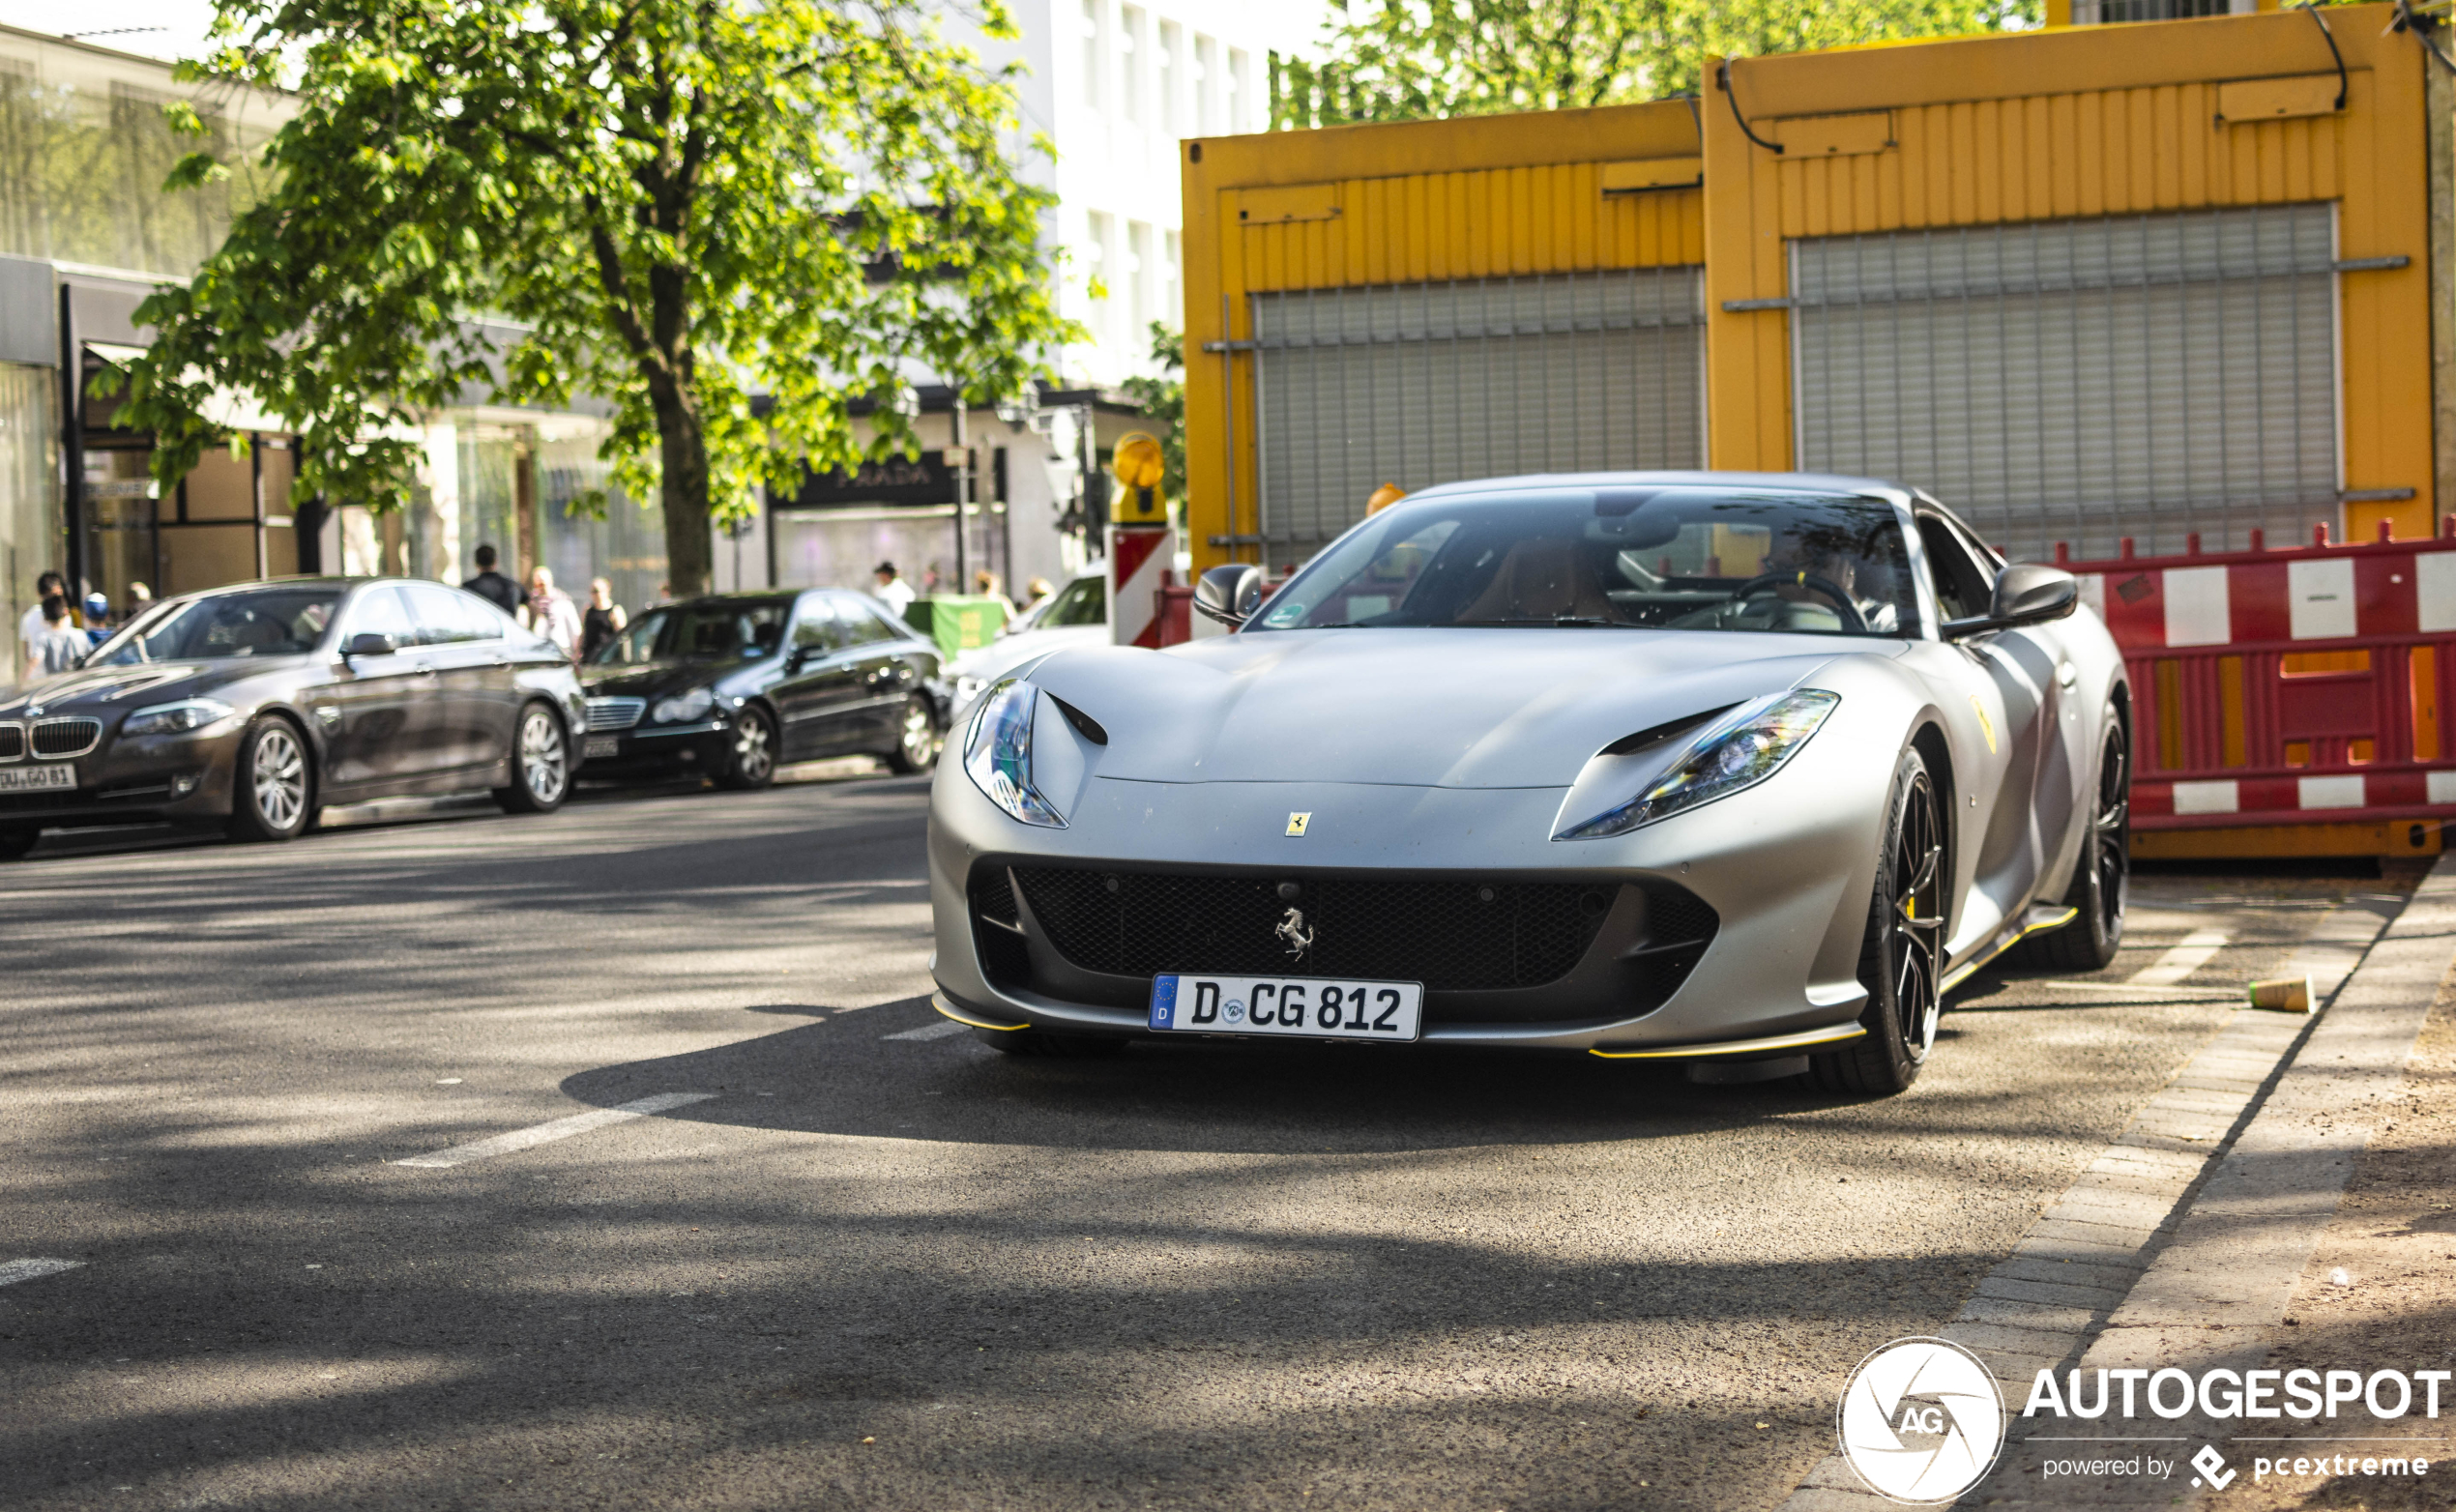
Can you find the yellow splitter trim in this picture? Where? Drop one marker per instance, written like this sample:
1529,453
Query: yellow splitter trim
1831,1034
938,1001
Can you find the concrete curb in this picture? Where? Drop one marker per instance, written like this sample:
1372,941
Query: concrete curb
2180,1244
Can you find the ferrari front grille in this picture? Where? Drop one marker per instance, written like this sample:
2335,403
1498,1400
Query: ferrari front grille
12,741
614,714
1451,932
56,739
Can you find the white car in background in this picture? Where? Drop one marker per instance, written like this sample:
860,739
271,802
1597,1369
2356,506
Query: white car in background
1076,614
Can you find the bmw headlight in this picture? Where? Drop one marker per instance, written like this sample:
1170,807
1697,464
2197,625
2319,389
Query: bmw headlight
188,713
1738,751
684,707
998,753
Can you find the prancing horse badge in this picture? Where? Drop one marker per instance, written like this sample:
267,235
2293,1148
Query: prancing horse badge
1298,821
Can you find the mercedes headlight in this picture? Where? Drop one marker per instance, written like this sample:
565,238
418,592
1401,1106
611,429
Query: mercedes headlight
684,707
188,713
1738,751
998,753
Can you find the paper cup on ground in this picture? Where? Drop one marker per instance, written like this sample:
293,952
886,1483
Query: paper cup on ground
2285,995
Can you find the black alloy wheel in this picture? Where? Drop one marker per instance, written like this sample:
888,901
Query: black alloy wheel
1901,955
917,739
753,760
2101,873
541,764
14,843
273,787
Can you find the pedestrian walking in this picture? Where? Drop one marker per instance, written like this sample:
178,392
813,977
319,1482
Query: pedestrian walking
61,647
551,613
49,585
493,585
98,619
986,585
892,591
602,620
1036,591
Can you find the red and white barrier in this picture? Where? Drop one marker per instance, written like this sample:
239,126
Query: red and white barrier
1139,559
2279,686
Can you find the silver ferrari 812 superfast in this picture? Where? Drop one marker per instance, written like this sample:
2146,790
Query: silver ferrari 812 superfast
1740,770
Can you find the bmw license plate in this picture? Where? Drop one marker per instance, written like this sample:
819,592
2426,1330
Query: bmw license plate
1313,1007
37,779
602,746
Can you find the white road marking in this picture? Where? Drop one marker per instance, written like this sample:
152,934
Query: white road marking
2198,948
560,1128
938,1031
16,1271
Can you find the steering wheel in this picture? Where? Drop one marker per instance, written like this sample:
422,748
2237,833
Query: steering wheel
1852,619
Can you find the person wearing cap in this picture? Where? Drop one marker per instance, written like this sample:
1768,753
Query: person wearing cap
98,619
892,591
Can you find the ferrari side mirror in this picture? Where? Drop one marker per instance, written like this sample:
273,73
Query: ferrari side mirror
2027,593
1229,594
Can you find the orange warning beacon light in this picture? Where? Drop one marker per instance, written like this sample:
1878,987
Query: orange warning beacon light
1139,466
1384,497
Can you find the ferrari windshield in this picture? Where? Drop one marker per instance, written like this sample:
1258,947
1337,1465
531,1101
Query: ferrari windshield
1676,558
267,621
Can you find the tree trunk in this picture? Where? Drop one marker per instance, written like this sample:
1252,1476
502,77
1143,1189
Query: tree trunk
683,492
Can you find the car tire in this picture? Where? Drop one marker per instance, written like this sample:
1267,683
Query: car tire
16,843
540,764
751,762
1055,1047
272,783
917,738
1900,954
2101,874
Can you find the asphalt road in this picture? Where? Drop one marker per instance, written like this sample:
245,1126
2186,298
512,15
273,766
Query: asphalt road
875,1269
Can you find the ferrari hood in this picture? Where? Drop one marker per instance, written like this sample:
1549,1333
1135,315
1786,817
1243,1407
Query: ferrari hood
1419,707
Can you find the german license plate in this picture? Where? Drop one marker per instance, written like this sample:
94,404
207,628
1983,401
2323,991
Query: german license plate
1313,1007
602,746
44,778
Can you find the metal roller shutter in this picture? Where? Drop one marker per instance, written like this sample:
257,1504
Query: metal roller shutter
1419,383
2082,379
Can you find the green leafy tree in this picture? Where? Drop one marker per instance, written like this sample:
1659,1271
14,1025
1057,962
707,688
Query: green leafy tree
731,220
1164,400
1411,60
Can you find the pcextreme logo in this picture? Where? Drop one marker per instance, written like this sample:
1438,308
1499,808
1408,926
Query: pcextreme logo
1921,1420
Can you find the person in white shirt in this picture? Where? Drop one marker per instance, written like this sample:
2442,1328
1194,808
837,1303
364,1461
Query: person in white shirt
59,648
892,591
552,614
30,625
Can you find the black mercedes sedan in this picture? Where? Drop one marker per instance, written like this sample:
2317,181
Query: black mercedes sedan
254,707
733,685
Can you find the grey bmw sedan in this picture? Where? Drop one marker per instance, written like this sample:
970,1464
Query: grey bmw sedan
251,707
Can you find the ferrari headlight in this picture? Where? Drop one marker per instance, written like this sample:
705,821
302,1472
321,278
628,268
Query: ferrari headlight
188,713
1738,751
684,707
998,753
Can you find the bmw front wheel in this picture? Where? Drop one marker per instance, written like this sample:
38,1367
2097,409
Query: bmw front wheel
541,764
273,787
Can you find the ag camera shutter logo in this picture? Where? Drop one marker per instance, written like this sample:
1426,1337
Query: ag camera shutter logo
1921,1420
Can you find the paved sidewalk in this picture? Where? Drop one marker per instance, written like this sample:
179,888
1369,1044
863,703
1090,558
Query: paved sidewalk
2180,1245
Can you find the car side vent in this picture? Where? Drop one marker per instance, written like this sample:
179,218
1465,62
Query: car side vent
1643,738
993,897
996,929
1678,928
